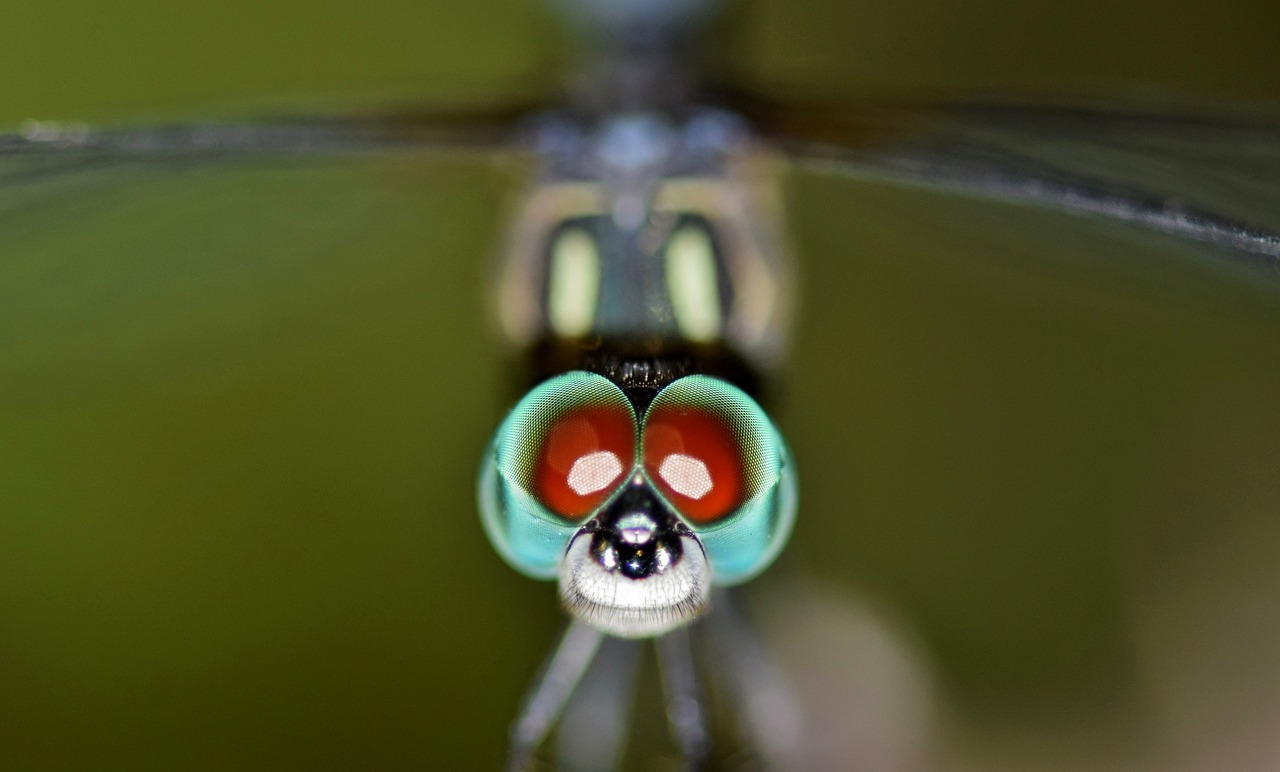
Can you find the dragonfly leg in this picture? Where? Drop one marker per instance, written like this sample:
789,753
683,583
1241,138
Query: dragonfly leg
545,702
684,697
593,729
767,708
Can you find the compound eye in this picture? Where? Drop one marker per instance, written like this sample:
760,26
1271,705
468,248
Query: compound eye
720,463
584,453
557,457
693,456
708,448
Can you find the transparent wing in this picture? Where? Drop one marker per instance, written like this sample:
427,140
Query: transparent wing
49,171
1210,181
146,235
43,153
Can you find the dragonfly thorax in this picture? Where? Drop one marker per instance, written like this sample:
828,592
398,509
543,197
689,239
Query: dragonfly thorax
650,229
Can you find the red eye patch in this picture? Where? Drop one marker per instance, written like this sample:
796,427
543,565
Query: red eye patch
692,455
583,454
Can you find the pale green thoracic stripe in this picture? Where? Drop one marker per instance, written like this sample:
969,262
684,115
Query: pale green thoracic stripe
573,286
692,283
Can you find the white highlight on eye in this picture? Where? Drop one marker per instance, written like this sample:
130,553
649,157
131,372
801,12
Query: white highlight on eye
686,475
573,283
594,471
692,283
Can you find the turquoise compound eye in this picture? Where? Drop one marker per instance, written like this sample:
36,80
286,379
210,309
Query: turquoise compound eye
562,452
721,464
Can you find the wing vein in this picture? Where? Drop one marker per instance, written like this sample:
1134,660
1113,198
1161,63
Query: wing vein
1017,180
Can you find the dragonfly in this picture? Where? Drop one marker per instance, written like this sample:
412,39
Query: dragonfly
646,278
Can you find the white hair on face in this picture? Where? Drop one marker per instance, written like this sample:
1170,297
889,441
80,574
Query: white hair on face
634,608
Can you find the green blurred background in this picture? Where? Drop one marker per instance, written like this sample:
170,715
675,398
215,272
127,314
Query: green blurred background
241,407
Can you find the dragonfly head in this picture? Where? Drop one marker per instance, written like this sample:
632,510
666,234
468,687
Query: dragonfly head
637,503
